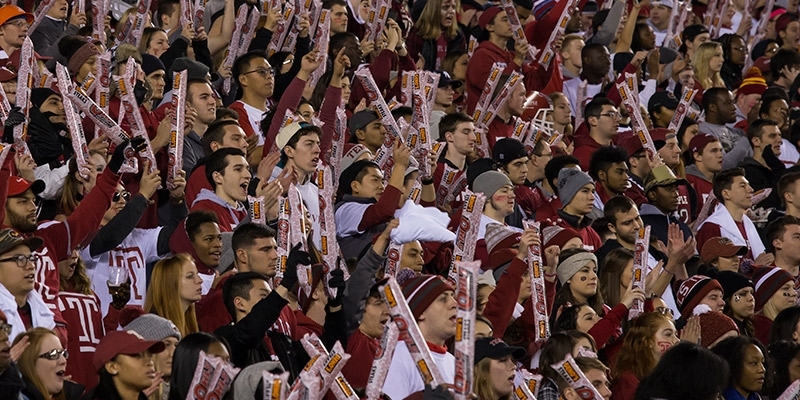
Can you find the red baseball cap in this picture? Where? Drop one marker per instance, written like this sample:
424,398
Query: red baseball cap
488,15
720,247
700,141
18,186
123,342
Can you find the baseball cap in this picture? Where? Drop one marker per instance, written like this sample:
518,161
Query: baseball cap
700,141
123,342
720,247
666,55
10,11
661,175
446,80
692,31
10,238
495,349
287,132
361,119
488,15
631,143
662,98
18,186
508,149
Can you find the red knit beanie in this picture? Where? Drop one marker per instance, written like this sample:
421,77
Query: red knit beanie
502,244
558,236
422,290
768,281
692,291
713,325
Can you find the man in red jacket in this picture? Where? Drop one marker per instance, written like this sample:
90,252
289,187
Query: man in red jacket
602,118
707,154
495,23
228,173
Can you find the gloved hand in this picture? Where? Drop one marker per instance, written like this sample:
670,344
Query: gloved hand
438,393
118,158
336,282
120,295
15,117
773,162
295,258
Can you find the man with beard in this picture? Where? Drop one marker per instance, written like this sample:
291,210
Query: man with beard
721,110
59,238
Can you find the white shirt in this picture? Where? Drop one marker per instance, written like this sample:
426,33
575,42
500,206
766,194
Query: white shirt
403,377
255,116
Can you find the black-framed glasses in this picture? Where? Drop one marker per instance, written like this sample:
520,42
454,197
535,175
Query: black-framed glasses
123,194
22,260
611,114
261,71
55,354
6,327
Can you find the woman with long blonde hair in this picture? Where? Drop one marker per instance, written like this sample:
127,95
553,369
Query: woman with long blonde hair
494,359
436,23
176,274
43,366
649,336
707,63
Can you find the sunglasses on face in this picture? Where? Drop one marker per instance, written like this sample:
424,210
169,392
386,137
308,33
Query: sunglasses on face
55,354
123,194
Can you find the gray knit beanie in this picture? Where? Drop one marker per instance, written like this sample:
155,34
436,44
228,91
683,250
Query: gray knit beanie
490,182
248,379
570,181
153,327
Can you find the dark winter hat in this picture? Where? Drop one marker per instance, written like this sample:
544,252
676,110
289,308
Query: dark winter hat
692,291
732,282
570,181
508,149
490,182
196,70
768,281
361,119
349,175
714,325
39,95
423,290
151,63
501,243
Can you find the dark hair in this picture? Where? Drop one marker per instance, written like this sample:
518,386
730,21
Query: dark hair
191,82
723,181
215,133
686,371
242,62
184,362
402,111
792,17
754,129
225,112
636,40
568,320
604,157
245,234
339,41
785,324
218,161
197,218
621,204
713,95
556,164
105,389
598,19
783,59
449,122
687,122
766,103
305,130
555,348
732,350
564,294
726,40
777,228
781,354
165,7
328,4
238,285
786,184
595,107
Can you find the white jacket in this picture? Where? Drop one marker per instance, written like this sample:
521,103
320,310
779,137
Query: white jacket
41,316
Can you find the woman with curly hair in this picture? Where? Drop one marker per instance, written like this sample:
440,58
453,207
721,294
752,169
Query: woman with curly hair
649,336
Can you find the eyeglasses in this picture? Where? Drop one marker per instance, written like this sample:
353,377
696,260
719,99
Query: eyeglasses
123,194
665,311
19,23
611,114
6,328
55,354
261,71
22,260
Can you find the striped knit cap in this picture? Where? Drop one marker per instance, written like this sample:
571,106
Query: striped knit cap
753,83
423,290
768,281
